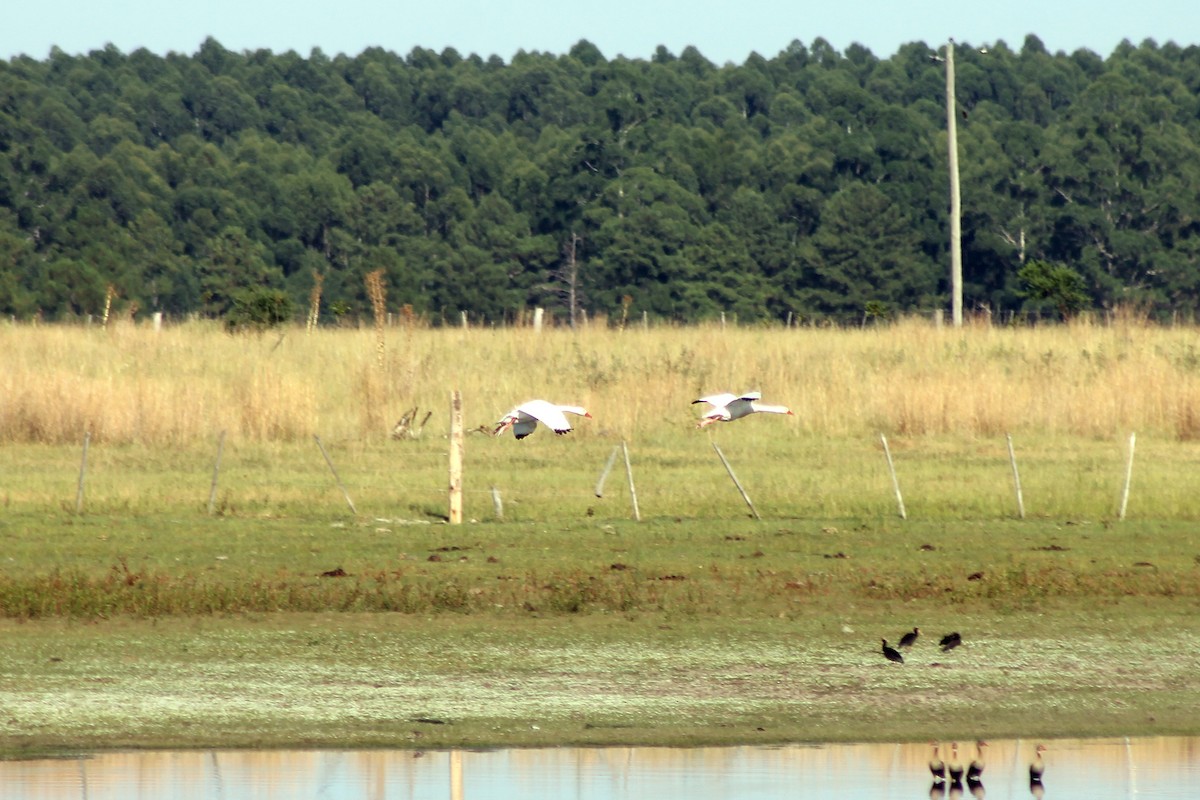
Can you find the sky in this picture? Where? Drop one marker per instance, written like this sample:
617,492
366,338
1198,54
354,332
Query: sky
722,30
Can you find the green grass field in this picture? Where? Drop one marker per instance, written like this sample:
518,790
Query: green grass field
132,628
132,615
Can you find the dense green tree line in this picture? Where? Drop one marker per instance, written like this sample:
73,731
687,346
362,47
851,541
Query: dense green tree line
812,184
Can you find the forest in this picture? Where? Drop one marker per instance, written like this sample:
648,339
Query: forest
809,187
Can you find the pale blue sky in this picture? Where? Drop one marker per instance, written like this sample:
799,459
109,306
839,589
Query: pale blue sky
723,30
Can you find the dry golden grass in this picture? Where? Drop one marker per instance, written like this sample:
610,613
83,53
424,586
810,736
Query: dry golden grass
130,384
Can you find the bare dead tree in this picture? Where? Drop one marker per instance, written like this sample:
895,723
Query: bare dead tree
567,277
314,302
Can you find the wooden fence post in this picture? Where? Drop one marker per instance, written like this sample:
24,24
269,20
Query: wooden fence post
456,458
456,775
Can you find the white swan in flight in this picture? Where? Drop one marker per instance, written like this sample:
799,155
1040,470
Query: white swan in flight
728,407
524,418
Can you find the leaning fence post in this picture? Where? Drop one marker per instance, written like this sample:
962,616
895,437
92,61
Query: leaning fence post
1128,475
1012,458
895,482
497,503
612,459
736,482
637,515
332,469
212,491
87,437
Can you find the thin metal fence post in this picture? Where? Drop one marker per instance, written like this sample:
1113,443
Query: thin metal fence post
895,481
1012,458
612,459
637,515
87,438
212,490
1128,475
497,503
333,469
735,480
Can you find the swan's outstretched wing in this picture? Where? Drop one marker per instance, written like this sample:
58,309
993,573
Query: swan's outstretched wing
717,400
550,414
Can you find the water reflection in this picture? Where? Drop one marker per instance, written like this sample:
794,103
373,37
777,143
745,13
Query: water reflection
1149,769
953,772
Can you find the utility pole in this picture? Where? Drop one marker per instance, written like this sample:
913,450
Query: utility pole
956,279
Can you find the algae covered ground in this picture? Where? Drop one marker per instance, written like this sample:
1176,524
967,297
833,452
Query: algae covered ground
665,632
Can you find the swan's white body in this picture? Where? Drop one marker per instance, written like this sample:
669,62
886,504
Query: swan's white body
524,418
728,407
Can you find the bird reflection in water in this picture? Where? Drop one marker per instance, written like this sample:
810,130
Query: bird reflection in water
948,775
1037,768
939,789
975,768
953,771
975,771
937,767
954,767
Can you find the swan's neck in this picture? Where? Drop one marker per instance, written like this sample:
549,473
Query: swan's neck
770,409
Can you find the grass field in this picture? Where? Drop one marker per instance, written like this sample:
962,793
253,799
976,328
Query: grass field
140,619
193,634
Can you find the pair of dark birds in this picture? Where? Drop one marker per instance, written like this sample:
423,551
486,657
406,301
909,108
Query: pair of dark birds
947,643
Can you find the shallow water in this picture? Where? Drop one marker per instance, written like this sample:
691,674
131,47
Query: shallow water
1147,769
